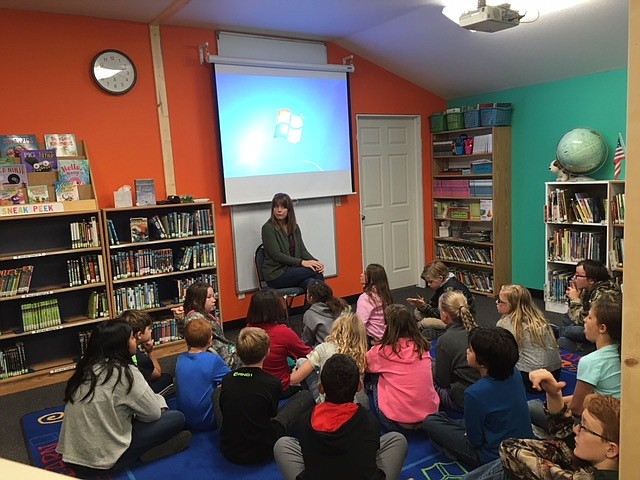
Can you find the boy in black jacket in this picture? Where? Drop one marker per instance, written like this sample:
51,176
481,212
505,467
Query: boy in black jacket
339,439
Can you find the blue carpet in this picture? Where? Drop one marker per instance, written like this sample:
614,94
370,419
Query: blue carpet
203,459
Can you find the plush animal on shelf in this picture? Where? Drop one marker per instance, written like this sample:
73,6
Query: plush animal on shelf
562,174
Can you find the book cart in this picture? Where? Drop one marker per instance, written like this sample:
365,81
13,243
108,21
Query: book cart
153,254
53,285
472,205
584,220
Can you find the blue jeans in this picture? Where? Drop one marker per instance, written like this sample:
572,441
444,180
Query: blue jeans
488,471
145,436
571,335
296,277
449,436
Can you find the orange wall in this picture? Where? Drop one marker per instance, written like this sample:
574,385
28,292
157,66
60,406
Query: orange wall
58,96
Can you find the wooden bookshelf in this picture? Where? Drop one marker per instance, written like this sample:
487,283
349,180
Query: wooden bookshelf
458,186
47,332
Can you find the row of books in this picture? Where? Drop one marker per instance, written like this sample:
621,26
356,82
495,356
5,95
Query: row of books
98,305
565,206
84,234
166,331
184,283
617,209
39,315
196,256
463,188
141,296
616,255
566,245
171,225
138,263
481,210
13,361
557,283
15,281
463,253
183,224
83,339
86,269
476,280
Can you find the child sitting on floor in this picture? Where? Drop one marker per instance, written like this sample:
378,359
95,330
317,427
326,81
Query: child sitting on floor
198,373
265,311
338,438
146,360
251,421
349,337
324,309
112,417
403,395
495,407
376,297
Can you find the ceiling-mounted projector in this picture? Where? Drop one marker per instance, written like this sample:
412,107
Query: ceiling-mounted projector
490,18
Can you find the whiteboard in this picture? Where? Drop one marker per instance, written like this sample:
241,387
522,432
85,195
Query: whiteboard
316,218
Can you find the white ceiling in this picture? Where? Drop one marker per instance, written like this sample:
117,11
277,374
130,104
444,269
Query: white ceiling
409,37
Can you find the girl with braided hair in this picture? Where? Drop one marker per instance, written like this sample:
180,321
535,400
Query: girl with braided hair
452,373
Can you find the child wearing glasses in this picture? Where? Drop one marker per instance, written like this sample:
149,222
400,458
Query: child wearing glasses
588,450
590,281
440,279
536,343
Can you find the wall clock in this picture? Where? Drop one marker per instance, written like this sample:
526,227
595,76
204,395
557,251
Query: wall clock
114,72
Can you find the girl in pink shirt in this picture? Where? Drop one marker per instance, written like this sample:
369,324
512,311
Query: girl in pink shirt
404,395
376,297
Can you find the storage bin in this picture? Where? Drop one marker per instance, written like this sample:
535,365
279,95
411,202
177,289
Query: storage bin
495,116
438,122
472,118
455,121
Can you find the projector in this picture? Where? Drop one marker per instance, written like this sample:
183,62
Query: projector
490,18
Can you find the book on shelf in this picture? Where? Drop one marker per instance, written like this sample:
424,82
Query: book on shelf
113,235
12,145
41,314
84,234
13,361
66,192
15,175
97,306
74,170
139,227
39,160
63,143
145,191
11,195
486,210
38,193
14,281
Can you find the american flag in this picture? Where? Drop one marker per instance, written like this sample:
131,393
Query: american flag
618,158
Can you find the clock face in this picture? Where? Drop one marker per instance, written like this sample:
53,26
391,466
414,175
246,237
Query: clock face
114,72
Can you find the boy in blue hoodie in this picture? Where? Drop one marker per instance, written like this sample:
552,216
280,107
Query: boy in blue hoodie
339,439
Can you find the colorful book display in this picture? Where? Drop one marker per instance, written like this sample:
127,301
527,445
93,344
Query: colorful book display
39,160
11,146
63,143
66,192
76,171
38,193
15,175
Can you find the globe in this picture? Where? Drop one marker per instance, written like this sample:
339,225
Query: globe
581,150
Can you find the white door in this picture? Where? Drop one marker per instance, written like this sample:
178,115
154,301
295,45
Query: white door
391,196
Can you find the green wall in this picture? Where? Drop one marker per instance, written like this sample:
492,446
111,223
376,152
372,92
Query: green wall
542,114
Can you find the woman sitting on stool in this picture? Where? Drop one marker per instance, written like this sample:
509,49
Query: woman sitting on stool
287,263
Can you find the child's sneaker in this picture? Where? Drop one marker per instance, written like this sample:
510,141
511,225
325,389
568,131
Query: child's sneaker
172,446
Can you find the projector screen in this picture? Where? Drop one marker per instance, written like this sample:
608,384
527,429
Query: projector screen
283,130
